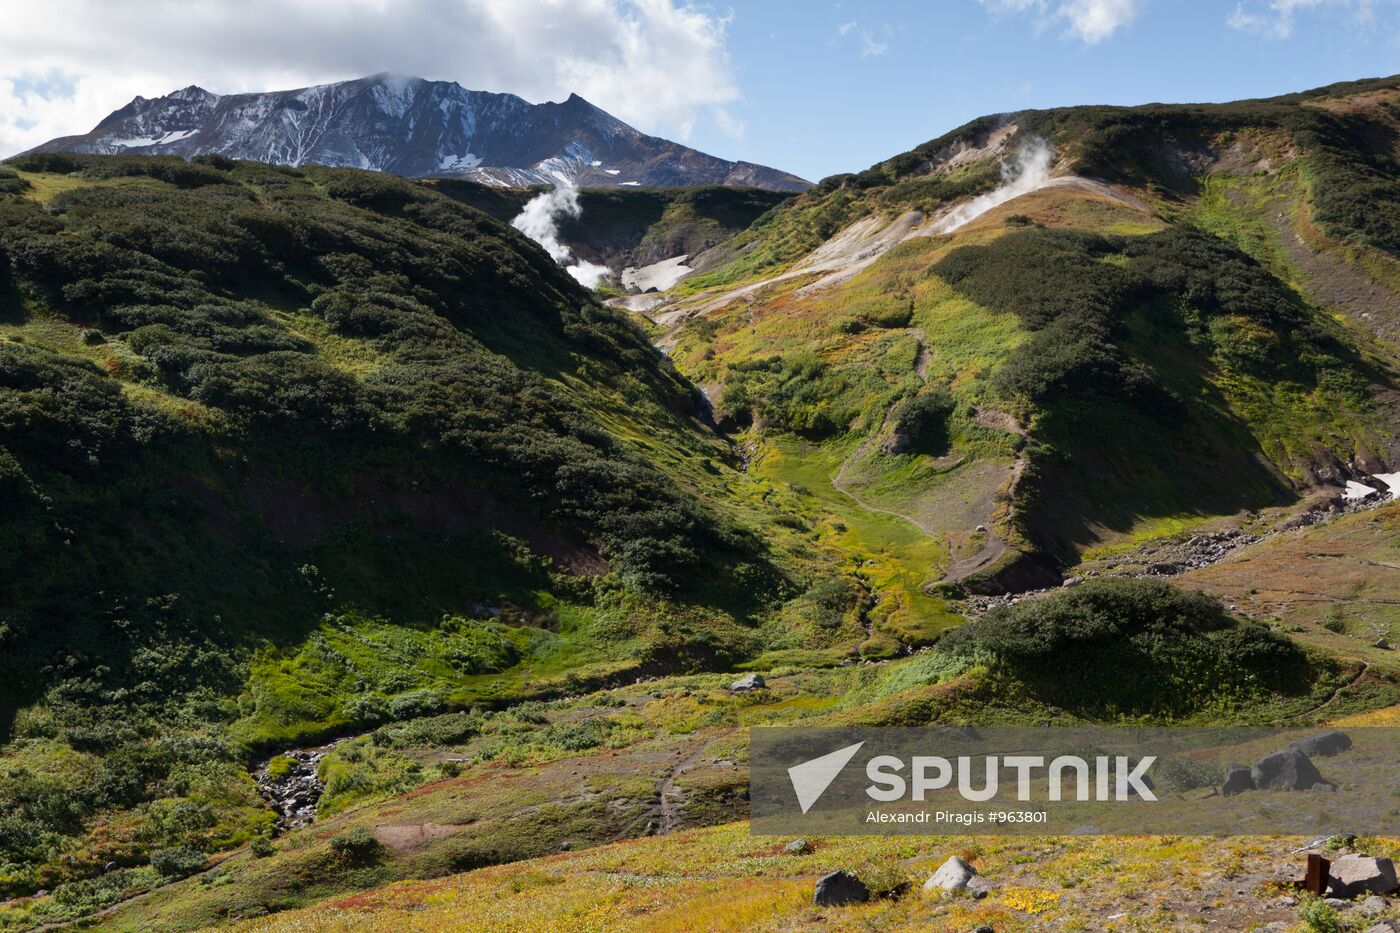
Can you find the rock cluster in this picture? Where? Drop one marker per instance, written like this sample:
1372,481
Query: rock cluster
1195,552
1288,768
843,887
295,794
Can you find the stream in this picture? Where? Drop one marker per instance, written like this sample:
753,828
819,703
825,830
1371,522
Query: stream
294,795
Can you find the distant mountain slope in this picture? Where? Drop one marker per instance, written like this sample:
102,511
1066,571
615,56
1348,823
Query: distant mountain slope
1109,323
410,126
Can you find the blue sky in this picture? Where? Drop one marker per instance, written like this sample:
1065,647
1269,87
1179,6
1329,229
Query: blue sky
817,100
815,87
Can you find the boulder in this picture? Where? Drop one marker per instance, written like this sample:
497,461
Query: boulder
1325,744
1385,926
979,887
1238,779
1373,906
1071,581
838,888
954,875
797,847
1356,875
1288,769
749,682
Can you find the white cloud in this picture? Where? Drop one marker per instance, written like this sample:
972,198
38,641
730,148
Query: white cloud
1090,21
1276,18
873,42
870,47
65,64
1096,20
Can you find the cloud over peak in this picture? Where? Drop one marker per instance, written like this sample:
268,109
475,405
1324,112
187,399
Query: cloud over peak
660,64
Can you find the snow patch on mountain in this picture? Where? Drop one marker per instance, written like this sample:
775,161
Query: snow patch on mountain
415,128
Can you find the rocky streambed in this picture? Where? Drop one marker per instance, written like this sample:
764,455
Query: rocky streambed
292,790
1181,555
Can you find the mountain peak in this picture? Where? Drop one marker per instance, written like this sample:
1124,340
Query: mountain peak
386,122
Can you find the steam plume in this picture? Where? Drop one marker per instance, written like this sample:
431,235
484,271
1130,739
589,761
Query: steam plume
1029,170
539,220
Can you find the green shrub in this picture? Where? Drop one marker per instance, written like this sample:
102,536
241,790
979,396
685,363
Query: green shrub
1133,646
356,846
178,862
921,422
1320,916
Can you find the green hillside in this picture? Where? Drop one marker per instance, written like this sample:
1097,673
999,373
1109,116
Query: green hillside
290,453
290,456
1132,350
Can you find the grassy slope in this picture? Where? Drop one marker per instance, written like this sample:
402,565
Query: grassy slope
1100,471
725,879
524,796
868,369
265,582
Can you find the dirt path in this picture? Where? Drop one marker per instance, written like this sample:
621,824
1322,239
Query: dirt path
838,479
1331,697
991,552
670,800
921,361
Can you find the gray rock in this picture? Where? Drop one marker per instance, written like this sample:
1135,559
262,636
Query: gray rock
1288,769
1373,906
1072,581
1385,926
1350,877
979,887
1325,744
1336,903
1288,901
953,875
838,888
1238,779
797,847
749,682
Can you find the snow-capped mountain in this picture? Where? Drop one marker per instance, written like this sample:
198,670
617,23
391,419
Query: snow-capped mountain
415,127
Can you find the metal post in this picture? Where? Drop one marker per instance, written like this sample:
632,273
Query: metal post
1316,881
